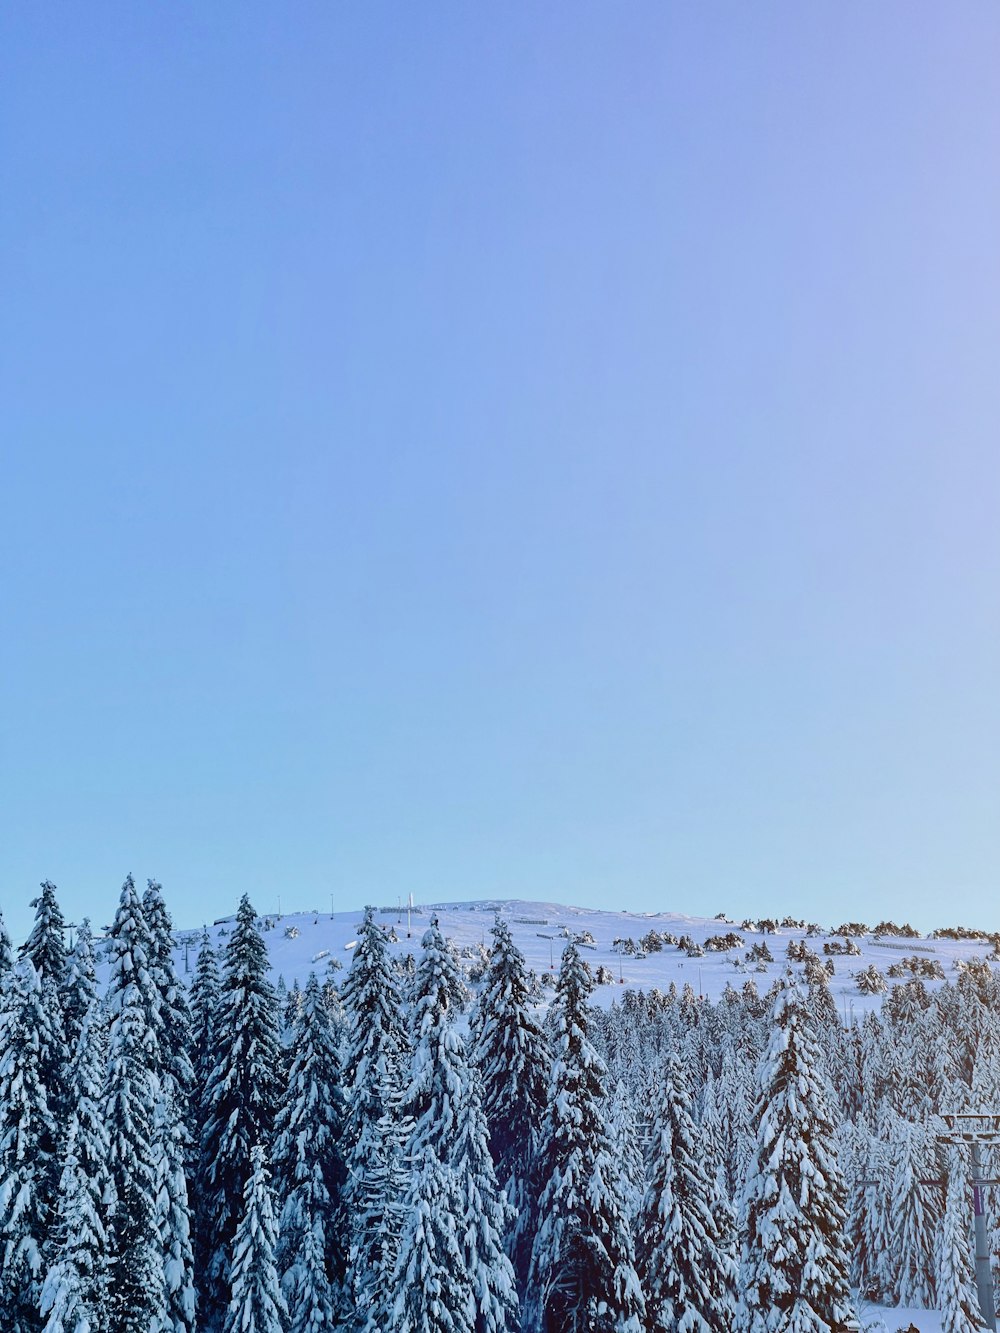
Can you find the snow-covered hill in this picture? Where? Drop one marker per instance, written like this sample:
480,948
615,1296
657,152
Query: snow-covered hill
303,942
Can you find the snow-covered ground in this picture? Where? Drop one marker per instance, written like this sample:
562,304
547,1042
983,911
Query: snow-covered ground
303,942
877,1319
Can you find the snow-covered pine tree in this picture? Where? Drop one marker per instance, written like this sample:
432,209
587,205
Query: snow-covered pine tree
956,1287
173,1216
794,1262
171,1119
866,1189
311,1301
137,1301
485,1218
511,1055
439,1070
376,1049
75,1287
913,1236
685,1229
436,1099
626,1146
175,1014
241,1101
204,1006
46,945
87,1075
256,1303
582,1274
432,1289
79,987
308,1164
27,1149
46,949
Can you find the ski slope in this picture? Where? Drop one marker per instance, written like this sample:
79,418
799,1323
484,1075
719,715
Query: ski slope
303,942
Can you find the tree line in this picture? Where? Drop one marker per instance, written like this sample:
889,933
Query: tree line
388,1158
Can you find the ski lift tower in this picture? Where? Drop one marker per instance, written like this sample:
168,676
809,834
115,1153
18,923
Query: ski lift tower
975,1129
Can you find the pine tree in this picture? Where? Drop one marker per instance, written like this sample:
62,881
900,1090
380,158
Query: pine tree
484,1219
433,1292
376,1132
956,1282
204,1002
240,1102
912,1212
626,1146
308,1164
137,1297
582,1274
76,1284
204,1009
79,988
27,1150
171,1119
438,1066
511,1056
310,1299
794,1263
431,1243
173,1216
256,1303
175,1015
46,946
46,950
685,1239
87,1074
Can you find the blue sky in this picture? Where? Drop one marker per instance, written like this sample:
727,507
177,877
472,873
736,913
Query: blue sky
542,451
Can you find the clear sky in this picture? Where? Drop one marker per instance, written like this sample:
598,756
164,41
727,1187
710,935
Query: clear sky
501,450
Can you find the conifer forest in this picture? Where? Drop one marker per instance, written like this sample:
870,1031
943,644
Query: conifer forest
419,1146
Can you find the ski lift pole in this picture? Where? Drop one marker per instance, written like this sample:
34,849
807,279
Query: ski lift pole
984,1271
976,1128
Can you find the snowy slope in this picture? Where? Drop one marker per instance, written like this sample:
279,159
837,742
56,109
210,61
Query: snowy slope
303,942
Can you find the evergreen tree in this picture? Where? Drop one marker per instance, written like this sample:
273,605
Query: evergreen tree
204,1010
171,1120
582,1274
436,1098
376,1044
956,1281
27,1150
685,1228
439,1071
794,1263
87,1074
173,1217
240,1101
256,1304
626,1146
205,993
177,1072
913,1239
45,947
433,1291
309,1169
310,1298
137,1301
484,1220
76,1284
376,1133
79,989
511,1056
